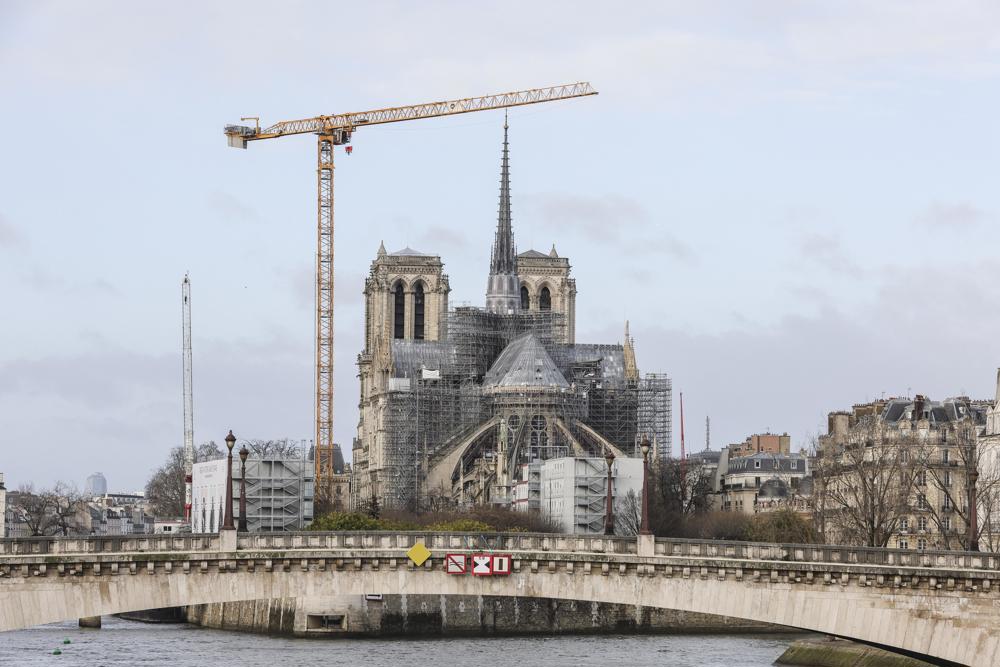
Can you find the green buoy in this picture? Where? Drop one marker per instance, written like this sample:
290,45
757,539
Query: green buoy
66,641
57,652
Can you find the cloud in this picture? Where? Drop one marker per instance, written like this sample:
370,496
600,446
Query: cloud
231,209
827,251
610,218
436,237
10,236
952,216
42,280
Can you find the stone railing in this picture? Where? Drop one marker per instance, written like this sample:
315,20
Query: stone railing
534,543
28,546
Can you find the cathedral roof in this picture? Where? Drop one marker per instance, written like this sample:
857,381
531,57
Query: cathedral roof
408,251
534,253
525,363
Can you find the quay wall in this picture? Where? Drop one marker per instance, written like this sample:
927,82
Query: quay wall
454,615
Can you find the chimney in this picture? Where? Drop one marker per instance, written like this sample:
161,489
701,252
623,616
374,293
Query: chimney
918,407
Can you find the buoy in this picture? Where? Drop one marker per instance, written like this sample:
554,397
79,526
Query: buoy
57,652
66,641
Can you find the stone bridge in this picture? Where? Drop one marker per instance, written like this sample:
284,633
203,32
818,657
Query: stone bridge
943,606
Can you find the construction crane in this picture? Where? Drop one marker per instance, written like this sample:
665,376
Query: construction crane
336,130
188,399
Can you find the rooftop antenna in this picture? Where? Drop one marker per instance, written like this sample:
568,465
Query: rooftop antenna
708,433
188,399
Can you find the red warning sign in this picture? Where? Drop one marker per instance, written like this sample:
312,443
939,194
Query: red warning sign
482,565
455,564
500,564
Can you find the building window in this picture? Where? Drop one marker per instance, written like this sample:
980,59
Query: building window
922,523
545,299
946,523
399,312
794,464
418,312
921,544
921,503
904,543
945,456
756,464
904,524
904,456
947,478
525,299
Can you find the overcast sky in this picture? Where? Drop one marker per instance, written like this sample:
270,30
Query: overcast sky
795,204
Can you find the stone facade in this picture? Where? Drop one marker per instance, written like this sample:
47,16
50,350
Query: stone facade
545,284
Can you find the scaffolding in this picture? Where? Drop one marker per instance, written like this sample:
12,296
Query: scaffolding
655,412
439,396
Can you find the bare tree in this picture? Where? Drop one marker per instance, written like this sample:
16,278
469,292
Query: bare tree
951,466
33,509
277,449
165,489
868,485
628,514
61,510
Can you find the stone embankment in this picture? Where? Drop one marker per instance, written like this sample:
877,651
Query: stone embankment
440,615
840,653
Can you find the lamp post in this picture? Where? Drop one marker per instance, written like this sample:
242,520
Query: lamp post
609,517
227,523
973,508
644,530
243,488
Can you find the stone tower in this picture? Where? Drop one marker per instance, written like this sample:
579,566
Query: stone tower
545,284
502,288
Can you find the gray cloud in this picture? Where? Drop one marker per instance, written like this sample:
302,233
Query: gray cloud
953,216
10,236
827,251
438,238
231,209
610,218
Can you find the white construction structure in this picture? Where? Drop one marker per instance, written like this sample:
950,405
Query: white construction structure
573,491
188,397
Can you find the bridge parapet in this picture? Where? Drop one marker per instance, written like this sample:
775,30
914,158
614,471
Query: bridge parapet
117,544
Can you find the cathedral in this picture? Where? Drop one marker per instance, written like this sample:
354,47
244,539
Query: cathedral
455,402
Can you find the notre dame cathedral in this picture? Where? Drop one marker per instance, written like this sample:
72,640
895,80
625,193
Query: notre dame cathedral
456,401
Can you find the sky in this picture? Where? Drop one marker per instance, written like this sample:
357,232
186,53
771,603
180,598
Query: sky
794,203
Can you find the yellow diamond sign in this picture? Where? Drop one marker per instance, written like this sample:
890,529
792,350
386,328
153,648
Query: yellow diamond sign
418,553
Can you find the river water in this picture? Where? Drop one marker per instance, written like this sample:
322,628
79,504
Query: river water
127,643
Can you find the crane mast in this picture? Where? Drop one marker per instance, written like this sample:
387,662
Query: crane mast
335,130
188,398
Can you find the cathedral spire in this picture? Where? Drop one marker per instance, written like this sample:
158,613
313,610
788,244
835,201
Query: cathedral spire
502,291
504,259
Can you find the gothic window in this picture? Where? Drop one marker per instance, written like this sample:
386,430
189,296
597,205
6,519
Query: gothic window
418,312
545,299
399,312
525,300
539,438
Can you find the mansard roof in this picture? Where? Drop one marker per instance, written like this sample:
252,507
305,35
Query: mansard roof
525,363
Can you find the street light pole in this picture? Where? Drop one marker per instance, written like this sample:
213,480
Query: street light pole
243,488
227,523
973,508
609,517
645,487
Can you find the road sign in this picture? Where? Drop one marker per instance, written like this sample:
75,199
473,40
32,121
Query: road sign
418,553
500,564
455,564
482,565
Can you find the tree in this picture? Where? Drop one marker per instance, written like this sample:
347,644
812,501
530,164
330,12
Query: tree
784,526
32,509
61,510
867,484
165,489
628,514
274,449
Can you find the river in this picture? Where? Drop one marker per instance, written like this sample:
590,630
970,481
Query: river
127,643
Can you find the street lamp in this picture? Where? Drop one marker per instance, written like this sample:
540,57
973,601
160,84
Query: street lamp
227,524
644,530
243,488
973,511
609,517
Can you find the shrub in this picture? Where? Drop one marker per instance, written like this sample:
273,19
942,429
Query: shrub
463,526
785,526
347,521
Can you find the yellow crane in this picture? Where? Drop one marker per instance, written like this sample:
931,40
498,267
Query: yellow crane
336,130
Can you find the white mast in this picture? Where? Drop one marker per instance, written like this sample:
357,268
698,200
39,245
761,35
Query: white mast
188,400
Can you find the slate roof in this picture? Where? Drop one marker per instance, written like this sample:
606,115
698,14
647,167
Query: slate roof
525,363
410,252
534,254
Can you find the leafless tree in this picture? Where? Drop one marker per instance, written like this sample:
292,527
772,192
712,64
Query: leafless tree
61,510
868,485
628,514
32,508
951,477
165,489
278,449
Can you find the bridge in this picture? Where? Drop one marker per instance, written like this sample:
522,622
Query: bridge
942,606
